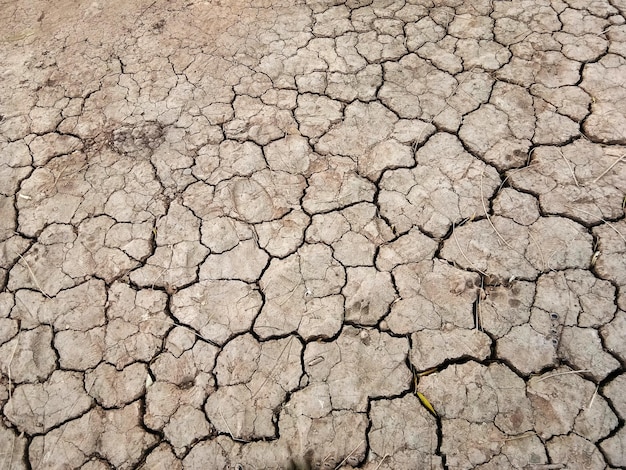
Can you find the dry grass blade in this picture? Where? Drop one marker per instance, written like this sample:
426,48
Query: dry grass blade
288,345
609,168
580,371
571,170
11,357
604,221
543,259
236,439
521,436
11,452
228,427
463,253
426,403
349,455
593,397
478,323
32,275
187,327
382,460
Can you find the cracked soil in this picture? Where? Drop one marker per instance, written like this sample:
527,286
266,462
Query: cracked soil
312,234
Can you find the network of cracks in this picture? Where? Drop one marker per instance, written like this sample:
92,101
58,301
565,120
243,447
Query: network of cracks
383,234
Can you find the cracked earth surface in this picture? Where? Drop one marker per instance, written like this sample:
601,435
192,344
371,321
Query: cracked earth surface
384,234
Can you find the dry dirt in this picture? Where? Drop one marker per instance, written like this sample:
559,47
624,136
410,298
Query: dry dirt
384,234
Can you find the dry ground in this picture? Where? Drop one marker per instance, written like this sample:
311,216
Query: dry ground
384,234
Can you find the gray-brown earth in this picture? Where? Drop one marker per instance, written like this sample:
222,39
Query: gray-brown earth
273,233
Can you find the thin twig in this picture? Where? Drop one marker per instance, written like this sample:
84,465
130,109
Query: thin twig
144,11
290,294
159,276
63,175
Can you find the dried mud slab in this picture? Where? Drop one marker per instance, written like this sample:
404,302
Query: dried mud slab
162,458
178,251
470,397
505,306
136,325
164,398
613,449
437,192
374,123
567,310
505,249
351,378
581,180
412,247
368,294
245,262
53,193
314,433
217,309
433,294
611,250
354,233
282,237
37,408
480,407
79,308
12,448
575,452
186,360
28,357
302,293
432,348
571,410
252,381
336,186
606,121
112,388
264,196
403,433
40,268
116,435
611,335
